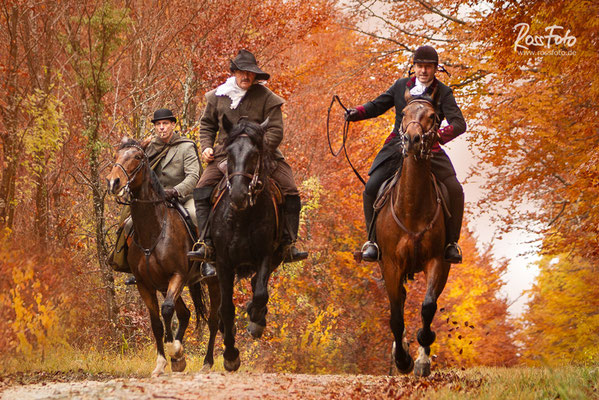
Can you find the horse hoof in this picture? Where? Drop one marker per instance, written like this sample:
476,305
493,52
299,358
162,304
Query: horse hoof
206,368
405,370
232,366
255,330
178,365
422,370
160,365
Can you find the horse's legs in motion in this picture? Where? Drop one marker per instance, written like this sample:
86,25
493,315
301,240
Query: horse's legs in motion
151,301
436,276
257,307
227,315
174,349
394,283
178,363
213,320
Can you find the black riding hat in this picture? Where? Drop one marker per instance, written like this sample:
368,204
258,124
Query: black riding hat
245,61
426,54
163,113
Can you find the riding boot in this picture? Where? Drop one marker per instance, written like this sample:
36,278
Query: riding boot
453,253
370,250
291,215
203,250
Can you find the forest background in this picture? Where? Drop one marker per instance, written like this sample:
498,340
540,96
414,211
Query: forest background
75,76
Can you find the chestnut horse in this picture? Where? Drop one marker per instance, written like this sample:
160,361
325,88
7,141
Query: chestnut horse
411,232
245,229
158,255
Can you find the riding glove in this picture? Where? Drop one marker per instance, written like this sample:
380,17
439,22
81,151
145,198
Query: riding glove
171,194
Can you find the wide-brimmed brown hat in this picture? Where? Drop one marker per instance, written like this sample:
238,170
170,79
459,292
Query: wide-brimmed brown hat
245,61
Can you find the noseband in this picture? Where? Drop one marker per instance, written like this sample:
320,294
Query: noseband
255,186
427,137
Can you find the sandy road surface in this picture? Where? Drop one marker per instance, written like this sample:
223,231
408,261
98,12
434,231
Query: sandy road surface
220,385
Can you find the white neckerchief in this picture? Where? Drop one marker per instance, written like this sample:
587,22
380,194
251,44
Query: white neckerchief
418,88
231,90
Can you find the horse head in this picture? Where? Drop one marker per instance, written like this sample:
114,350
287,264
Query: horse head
246,153
418,131
125,173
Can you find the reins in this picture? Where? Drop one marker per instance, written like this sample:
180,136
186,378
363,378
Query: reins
344,136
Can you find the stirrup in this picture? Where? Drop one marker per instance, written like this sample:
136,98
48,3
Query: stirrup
376,246
197,246
456,260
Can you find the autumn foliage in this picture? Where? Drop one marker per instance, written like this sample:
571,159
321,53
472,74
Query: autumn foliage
76,76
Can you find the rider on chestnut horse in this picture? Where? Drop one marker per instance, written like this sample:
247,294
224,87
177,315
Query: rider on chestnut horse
174,159
389,159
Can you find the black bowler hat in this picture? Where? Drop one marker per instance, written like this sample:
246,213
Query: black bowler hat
245,61
426,54
163,113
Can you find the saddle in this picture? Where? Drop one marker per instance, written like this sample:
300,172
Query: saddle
188,222
387,188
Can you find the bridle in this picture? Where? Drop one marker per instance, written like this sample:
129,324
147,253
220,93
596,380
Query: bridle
428,137
128,197
255,186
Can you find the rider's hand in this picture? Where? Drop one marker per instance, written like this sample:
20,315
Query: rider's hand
208,155
353,115
171,194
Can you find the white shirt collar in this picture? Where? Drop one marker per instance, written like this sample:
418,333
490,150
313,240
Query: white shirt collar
232,91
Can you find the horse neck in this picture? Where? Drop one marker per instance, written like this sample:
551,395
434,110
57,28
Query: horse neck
415,187
147,215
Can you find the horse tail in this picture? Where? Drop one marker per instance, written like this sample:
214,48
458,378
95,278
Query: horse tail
198,296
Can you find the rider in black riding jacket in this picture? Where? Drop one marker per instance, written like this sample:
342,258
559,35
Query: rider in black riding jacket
389,159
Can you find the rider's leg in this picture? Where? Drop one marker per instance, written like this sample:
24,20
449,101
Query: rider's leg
203,250
117,259
370,250
292,206
291,213
444,172
453,253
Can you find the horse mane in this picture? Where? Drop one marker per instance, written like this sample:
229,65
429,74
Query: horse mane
253,130
156,185
256,133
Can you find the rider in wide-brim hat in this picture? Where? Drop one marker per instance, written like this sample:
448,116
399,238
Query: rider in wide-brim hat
245,61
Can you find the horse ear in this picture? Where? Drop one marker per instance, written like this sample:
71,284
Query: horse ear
265,123
407,95
227,125
144,143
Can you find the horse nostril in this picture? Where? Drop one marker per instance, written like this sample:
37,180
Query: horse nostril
417,139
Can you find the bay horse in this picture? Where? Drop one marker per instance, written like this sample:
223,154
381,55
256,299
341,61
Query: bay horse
411,231
245,229
158,255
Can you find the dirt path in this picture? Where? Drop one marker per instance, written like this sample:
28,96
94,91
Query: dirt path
220,385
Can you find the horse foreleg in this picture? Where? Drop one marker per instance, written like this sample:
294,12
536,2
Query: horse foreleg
173,293
227,316
213,321
436,276
396,291
151,301
178,362
257,308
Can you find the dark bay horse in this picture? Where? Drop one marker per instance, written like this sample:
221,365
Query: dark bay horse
245,230
158,255
411,232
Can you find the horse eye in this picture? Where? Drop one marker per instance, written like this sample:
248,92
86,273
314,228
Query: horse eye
138,157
